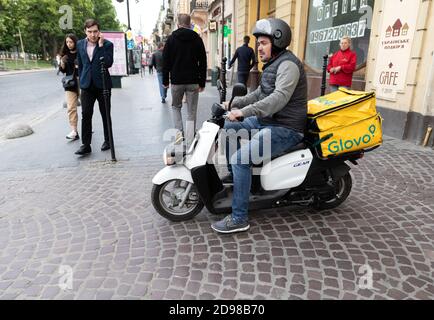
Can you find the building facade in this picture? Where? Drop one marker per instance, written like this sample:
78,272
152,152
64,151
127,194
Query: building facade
393,40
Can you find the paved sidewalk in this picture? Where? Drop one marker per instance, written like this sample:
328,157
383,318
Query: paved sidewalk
95,217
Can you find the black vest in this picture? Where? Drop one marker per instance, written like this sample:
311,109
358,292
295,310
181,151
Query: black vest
294,114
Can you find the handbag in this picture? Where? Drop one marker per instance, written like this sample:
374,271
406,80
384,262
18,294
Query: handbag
70,81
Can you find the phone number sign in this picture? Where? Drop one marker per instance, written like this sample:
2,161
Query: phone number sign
330,20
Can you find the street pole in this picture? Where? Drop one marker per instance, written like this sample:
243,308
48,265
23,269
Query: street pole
130,52
223,27
130,58
223,80
324,74
224,59
128,13
22,45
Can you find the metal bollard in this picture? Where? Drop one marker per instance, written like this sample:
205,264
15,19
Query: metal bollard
324,75
223,80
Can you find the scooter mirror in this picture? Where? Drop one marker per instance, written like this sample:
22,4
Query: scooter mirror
239,90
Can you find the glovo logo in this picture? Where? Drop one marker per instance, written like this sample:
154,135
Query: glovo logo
345,145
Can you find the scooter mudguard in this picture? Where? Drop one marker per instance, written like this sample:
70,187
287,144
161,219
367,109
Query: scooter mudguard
178,172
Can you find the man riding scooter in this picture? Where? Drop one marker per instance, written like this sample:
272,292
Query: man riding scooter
276,111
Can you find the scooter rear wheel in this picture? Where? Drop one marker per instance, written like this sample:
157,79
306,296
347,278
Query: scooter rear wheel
168,197
343,189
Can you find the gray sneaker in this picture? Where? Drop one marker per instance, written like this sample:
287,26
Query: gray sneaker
227,225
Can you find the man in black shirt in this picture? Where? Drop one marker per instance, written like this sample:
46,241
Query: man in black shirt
246,60
157,63
184,60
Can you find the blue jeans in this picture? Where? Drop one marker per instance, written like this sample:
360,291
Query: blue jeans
163,90
243,77
278,139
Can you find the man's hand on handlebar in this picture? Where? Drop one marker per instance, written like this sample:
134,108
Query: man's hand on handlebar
235,115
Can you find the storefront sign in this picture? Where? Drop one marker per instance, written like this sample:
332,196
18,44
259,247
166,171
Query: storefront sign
394,52
130,44
330,20
226,31
119,67
212,26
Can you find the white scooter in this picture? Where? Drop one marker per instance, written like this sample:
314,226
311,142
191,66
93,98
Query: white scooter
297,177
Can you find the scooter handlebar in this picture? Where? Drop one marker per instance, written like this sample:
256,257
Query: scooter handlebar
219,110
226,116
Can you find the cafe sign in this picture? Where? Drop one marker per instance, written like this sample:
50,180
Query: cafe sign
396,38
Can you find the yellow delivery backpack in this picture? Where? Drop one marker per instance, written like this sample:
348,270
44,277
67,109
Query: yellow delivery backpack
344,121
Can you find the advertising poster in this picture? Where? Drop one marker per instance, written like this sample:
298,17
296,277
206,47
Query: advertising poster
119,67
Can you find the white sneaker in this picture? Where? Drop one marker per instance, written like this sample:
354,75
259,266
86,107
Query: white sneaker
73,135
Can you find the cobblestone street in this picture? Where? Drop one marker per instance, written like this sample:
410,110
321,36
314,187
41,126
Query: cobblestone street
96,218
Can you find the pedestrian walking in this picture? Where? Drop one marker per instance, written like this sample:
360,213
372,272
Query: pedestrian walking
69,66
149,62
342,66
143,62
90,50
184,63
246,60
157,63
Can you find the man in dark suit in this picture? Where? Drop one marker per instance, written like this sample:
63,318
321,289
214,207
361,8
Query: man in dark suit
90,50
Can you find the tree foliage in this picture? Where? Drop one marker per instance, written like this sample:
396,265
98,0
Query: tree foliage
40,22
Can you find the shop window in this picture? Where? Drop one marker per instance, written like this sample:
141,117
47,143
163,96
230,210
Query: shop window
329,21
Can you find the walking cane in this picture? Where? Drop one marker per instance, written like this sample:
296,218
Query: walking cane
106,94
324,75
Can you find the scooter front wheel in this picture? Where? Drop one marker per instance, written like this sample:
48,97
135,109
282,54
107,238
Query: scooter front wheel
176,200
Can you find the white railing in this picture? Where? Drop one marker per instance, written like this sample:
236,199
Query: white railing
13,55
18,60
